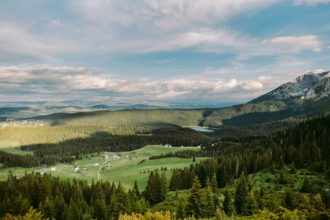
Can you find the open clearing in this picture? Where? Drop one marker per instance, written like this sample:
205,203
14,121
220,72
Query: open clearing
123,167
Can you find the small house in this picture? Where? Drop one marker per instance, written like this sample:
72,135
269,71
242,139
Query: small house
104,157
116,157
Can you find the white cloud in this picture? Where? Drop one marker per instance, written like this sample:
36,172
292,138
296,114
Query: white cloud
74,81
296,44
311,2
252,85
165,14
112,27
56,23
14,38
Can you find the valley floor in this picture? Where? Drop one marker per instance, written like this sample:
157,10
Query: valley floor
123,167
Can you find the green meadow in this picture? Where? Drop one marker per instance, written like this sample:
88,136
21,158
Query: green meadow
123,167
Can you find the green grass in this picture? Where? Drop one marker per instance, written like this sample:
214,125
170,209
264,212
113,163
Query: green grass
125,170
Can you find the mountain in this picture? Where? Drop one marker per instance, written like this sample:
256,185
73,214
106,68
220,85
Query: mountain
307,95
310,86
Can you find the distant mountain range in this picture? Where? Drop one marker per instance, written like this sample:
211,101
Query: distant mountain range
17,110
307,96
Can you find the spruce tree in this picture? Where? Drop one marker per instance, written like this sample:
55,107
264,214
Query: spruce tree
250,206
100,210
196,199
209,199
214,183
149,190
181,212
163,187
241,194
136,190
156,188
229,203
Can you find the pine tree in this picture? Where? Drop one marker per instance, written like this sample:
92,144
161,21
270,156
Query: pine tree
214,183
136,190
241,194
210,201
163,187
196,199
229,203
181,212
150,188
122,203
156,188
48,208
59,206
250,206
100,210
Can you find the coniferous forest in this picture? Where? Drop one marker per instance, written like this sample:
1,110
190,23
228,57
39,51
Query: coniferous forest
281,176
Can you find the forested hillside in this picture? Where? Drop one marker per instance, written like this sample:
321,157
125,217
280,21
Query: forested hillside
128,118
266,177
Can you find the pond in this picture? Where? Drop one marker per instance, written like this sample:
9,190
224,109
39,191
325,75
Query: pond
202,129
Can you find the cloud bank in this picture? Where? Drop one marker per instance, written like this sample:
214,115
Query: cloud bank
65,83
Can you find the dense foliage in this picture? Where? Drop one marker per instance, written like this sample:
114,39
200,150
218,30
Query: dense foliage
67,199
306,145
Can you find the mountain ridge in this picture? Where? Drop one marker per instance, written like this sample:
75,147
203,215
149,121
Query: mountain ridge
307,86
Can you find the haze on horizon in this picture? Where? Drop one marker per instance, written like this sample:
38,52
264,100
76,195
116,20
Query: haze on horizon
183,51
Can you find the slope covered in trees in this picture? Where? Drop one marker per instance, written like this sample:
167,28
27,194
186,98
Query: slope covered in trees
254,177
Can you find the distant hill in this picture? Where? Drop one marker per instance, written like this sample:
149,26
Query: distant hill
306,96
6,110
148,118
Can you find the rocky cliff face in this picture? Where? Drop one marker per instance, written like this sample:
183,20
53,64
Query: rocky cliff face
310,86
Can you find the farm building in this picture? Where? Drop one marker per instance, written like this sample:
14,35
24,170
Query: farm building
104,157
115,156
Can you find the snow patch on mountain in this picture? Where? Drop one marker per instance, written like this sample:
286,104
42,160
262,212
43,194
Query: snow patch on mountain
309,86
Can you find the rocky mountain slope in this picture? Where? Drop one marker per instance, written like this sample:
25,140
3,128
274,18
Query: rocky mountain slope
307,95
310,86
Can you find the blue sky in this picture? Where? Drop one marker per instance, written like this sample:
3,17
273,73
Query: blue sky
200,51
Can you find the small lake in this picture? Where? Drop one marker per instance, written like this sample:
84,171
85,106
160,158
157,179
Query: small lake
202,129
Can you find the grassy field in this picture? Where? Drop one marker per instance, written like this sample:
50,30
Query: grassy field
123,167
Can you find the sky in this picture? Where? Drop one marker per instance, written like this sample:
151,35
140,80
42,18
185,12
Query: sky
183,51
